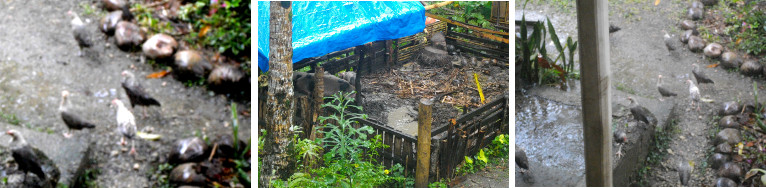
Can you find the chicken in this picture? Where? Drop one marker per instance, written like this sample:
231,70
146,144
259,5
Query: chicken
126,124
25,156
136,93
80,32
71,120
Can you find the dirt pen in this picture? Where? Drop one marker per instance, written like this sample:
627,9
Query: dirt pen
450,139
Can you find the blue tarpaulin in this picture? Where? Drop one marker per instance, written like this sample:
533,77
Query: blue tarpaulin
321,27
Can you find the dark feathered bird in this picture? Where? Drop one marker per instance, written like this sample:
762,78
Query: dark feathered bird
80,32
136,93
613,28
24,156
700,76
71,120
663,91
641,114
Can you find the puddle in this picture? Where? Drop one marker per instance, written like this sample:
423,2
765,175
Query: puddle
403,119
551,134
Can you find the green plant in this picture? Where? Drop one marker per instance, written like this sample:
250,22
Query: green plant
343,140
536,65
476,13
222,25
10,118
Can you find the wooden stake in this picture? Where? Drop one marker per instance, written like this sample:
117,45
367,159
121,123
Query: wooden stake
424,143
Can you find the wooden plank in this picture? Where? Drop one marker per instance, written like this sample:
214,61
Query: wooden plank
592,26
480,110
388,130
466,25
477,40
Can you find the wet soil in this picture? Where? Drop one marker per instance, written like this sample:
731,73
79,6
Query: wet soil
638,55
392,97
38,60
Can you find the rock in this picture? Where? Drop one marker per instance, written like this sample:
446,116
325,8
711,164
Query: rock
725,182
187,174
187,150
213,169
729,136
226,146
159,46
723,148
730,170
729,108
136,166
190,64
730,60
112,5
348,76
713,50
688,34
128,35
718,160
688,25
709,2
224,76
696,44
695,13
728,122
751,68
109,22
696,4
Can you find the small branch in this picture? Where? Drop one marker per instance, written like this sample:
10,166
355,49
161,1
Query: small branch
212,153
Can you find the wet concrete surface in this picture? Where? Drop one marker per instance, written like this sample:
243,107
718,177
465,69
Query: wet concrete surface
38,60
638,55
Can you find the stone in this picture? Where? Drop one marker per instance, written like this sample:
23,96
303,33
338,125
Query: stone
723,148
187,174
713,50
159,46
729,108
729,121
112,5
718,160
684,37
730,60
108,23
730,170
751,67
189,64
128,35
696,44
725,182
695,13
688,25
696,4
187,150
729,136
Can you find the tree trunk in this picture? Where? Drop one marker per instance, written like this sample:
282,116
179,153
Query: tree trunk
280,96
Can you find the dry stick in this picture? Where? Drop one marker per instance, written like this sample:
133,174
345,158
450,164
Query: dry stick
215,147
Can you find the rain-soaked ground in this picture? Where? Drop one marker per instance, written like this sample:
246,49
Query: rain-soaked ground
38,60
638,55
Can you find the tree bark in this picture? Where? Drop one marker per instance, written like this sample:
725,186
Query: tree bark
280,96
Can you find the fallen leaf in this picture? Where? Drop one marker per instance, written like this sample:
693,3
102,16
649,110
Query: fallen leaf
656,2
749,144
203,31
148,136
713,65
739,40
159,74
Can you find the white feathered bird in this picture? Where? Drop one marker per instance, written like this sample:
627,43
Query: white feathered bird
126,124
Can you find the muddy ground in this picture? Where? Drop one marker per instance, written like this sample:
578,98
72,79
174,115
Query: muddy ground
392,97
38,60
638,55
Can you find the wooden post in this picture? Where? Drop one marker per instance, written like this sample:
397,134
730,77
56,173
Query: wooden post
359,73
592,28
424,143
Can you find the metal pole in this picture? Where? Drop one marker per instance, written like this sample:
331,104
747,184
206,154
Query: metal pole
592,28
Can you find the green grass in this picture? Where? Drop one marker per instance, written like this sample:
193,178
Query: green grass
10,118
620,86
